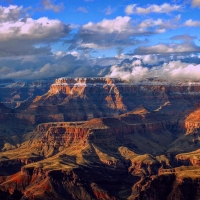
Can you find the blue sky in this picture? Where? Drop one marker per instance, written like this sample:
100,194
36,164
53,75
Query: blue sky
71,38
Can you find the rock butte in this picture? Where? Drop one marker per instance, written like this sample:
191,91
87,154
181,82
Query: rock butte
103,138
75,99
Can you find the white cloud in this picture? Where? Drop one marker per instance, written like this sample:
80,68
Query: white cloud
168,49
42,29
22,37
48,5
119,25
191,22
10,13
129,9
82,9
196,3
105,34
184,37
174,70
151,59
134,72
109,10
61,54
164,8
159,25
73,64
121,31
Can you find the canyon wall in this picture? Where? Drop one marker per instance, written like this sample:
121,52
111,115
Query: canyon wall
75,99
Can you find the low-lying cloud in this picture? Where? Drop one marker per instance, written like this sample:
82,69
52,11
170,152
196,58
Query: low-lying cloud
173,70
129,68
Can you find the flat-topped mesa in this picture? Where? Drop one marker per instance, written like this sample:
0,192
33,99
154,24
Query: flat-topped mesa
90,80
192,122
78,86
100,131
77,99
74,85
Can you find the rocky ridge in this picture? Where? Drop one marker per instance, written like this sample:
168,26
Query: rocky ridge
82,160
14,93
77,99
147,151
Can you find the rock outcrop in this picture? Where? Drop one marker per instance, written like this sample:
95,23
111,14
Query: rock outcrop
14,93
155,129
103,158
75,99
149,152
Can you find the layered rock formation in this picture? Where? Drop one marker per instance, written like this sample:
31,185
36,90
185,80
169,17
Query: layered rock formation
75,99
103,158
14,93
143,145
128,129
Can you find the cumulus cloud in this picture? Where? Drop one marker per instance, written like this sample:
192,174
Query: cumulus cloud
48,5
60,64
42,29
196,3
164,8
10,13
184,37
187,47
22,37
25,46
151,59
159,25
133,72
105,34
173,70
120,24
74,64
109,10
121,31
191,22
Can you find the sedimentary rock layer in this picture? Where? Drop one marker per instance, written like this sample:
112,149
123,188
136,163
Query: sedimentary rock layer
75,99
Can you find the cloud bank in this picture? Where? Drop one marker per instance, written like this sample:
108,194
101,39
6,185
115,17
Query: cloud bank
153,8
171,71
129,68
27,44
22,35
187,47
121,31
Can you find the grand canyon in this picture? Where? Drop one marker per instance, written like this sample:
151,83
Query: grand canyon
99,100
100,138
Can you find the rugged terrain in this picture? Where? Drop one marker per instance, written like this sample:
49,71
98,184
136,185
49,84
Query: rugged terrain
13,93
145,145
75,99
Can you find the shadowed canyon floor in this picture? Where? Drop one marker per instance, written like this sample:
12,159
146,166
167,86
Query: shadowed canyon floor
133,151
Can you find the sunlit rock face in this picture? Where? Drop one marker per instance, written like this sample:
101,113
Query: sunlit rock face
150,151
74,99
125,157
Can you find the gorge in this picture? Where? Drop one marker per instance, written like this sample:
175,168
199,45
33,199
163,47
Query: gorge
103,138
